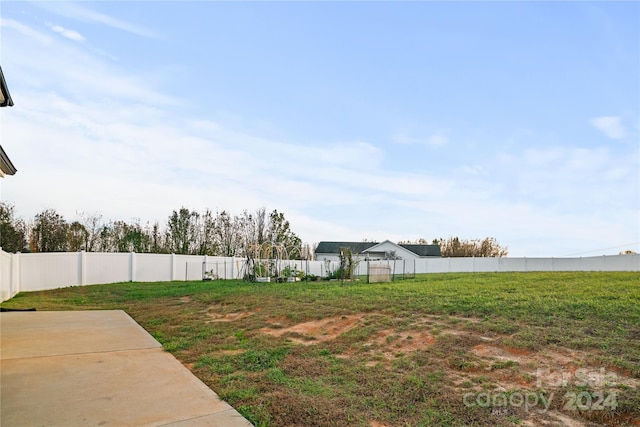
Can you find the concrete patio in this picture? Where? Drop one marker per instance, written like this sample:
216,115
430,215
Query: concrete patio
78,368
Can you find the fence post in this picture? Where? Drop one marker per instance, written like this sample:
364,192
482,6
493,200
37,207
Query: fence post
368,271
132,266
204,266
83,268
173,267
14,279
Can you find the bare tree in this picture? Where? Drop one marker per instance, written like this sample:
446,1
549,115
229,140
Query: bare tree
206,234
455,247
308,251
93,225
228,235
186,232
253,228
156,240
77,237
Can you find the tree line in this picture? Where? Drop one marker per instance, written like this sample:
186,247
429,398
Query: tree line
185,232
456,247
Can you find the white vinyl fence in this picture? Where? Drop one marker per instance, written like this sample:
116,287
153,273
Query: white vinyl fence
42,271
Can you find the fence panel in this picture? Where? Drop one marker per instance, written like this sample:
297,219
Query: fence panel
49,270
107,267
152,268
6,290
187,267
511,264
629,262
538,264
485,264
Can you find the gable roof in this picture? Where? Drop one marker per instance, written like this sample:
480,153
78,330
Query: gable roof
334,247
423,250
420,250
6,167
363,247
5,96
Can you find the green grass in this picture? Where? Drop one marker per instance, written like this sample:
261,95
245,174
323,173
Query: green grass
358,377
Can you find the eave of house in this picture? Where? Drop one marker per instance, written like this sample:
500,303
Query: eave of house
5,96
334,247
382,248
6,167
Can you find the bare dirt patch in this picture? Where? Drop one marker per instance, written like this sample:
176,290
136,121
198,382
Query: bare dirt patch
215,312
553,368
560,372
389,343
485,363
229,317
278,321
458,332
440,319
315,331
490,351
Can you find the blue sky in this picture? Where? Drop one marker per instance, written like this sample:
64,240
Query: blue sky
376,120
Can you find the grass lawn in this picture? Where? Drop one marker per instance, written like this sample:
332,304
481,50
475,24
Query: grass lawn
440,349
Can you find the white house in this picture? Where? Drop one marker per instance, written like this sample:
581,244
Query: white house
374,251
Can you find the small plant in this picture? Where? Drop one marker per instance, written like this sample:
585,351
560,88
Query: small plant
505,364
346,270
261,269
292,273
210,275
347,263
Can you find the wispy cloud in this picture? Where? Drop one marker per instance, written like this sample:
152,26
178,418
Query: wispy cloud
70,34
25,30
166,161
610,126
71,70
434,140
81,13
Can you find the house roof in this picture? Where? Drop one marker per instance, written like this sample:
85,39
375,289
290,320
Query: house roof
362,247
334,247
5,96
6,167
420,250
423,250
